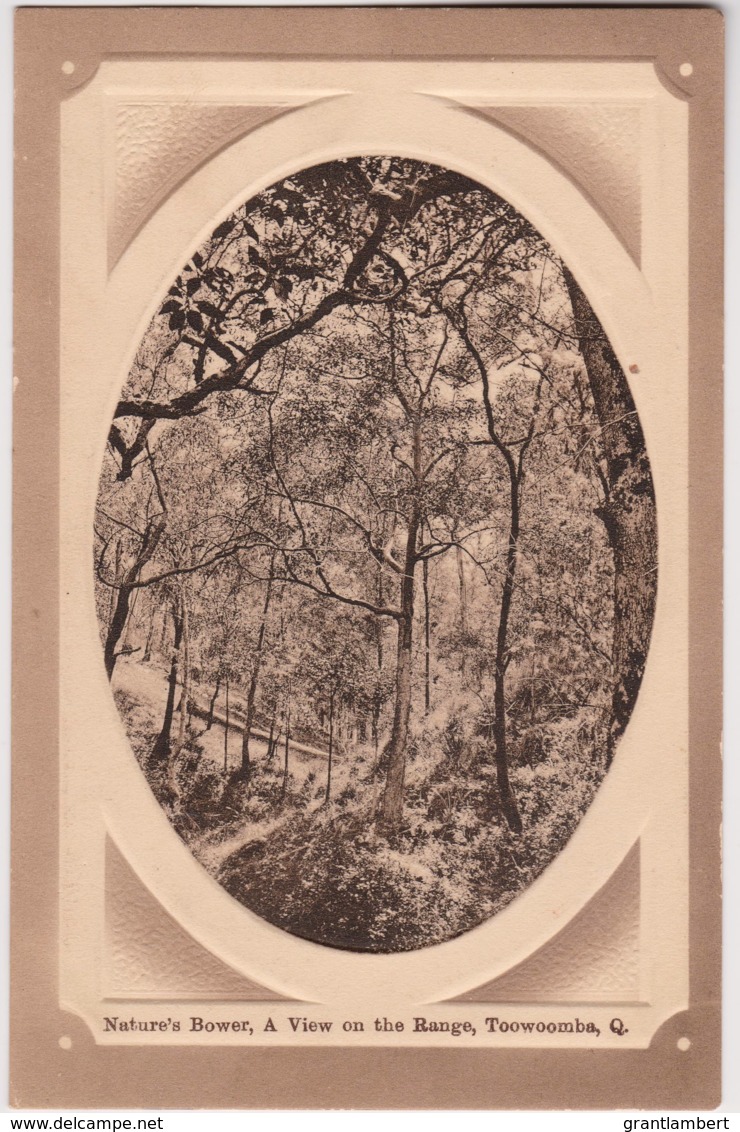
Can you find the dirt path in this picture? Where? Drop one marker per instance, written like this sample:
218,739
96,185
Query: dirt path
236,723
212,853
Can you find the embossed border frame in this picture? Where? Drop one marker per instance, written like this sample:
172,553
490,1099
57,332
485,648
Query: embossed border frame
42,1074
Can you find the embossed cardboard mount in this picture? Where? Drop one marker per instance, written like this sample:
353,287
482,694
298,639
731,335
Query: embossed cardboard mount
136,129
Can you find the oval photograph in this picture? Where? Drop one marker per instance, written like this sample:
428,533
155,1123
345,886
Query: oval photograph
375,554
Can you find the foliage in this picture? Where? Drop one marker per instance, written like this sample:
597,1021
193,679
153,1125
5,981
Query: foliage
357,473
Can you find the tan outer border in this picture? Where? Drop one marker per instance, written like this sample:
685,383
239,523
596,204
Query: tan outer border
42,1074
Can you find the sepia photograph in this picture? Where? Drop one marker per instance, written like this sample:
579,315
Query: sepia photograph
367,559
375,554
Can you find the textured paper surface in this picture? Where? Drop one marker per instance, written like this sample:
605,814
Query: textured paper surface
603,950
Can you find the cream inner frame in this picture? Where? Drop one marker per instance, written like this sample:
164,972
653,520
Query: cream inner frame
413,110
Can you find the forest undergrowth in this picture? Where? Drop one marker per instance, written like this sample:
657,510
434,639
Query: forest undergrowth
375,553
321,871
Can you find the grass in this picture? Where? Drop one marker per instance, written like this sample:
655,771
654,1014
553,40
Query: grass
321,872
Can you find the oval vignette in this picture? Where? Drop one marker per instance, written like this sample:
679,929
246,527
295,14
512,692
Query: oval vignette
375,554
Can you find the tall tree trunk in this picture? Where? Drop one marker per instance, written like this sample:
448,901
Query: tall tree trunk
392,803
506,794
163,634
161,749
117,574
331,745
287,748
379,620
245,767
628,513
152,535
150,636
184,678
271,740
116,627
125,647
391,811
427,637
377,704
462,585
183,712
514,468
532,691
212,708
226,728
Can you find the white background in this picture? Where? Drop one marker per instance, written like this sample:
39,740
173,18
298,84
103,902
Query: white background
470,1122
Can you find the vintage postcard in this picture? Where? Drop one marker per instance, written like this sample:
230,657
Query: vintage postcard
367,563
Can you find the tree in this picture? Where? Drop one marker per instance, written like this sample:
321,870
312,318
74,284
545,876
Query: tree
308,246
161,750
335,667
141,555
358,373
245,766
368,473
628,511
513,453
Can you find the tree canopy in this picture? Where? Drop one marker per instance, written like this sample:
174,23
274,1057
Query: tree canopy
376,499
